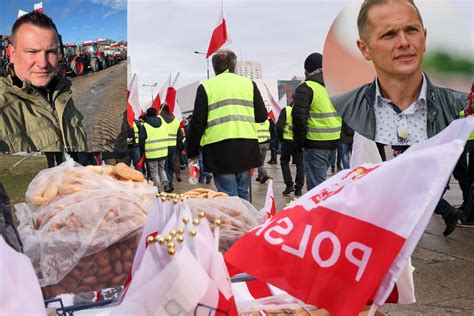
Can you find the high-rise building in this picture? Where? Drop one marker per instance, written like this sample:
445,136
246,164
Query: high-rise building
249,69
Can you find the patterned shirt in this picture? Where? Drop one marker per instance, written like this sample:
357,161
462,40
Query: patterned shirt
396,127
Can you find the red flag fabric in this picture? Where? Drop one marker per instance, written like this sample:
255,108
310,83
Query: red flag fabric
141,162
171,98
469,104
219,35
133,105
156,103
269,208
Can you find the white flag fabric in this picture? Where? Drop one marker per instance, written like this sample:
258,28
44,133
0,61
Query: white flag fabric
133,98
21,13
20,292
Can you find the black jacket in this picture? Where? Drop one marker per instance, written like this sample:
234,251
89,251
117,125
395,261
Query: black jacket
356,108
303,98
227,156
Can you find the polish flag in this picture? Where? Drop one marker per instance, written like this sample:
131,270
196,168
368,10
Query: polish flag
171,94
133,104
156,103
275,108
269,207
38,7
350,237
219,35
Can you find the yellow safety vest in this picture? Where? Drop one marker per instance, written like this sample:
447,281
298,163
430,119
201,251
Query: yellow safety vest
156,143
172,128
135,131
288,128
263,131
230,109
323,122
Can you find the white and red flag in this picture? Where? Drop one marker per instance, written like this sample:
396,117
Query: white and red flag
38,7
275,108
347,241
219,35
269,208
171,94
21,13
133,104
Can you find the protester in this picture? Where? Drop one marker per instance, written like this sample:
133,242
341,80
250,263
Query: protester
133,145
401,106
154,136
316,125
274,144
284,129
54,158
173,137
263,132
37,112
223,124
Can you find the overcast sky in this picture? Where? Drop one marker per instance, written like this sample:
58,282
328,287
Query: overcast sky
163,34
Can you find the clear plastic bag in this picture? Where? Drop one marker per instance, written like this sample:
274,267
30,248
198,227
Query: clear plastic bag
78,215
237,217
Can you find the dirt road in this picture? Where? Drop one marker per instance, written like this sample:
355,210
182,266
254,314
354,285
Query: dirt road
101,98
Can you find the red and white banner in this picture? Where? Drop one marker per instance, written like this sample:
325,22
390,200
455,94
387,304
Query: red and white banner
219,35
171,94
351,236
38,7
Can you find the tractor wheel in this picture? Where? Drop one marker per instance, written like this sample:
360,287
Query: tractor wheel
79,67
95,65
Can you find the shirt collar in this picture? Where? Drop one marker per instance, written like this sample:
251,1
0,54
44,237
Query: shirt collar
421,96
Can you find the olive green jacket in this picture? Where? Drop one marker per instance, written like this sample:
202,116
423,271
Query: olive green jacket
31,121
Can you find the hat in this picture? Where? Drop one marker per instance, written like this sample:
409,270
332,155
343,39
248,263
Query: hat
313,62
151,112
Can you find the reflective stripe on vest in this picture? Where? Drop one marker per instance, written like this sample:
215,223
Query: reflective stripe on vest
172,128
263,131
323,122
230,109
288,128
155,144
135,131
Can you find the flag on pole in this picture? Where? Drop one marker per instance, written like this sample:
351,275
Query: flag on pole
171,95
343,240
219,35
269,207
38,7
156,103
133,104
274,106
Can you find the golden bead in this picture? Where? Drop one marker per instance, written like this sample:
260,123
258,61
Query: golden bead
171,251
160,240
173,232
180,239
217,222
193,232
170,244
169,238
150,239
185,220
180,231
196,221
202,214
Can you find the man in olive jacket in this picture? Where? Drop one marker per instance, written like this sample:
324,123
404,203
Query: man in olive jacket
37,112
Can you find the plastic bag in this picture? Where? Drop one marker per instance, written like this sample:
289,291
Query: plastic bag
76,218
237,217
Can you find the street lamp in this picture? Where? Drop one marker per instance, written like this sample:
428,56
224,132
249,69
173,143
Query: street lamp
201,53
151,87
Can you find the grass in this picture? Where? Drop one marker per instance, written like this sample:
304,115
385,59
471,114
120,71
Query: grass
16,180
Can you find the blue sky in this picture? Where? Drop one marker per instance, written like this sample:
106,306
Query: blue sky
76,20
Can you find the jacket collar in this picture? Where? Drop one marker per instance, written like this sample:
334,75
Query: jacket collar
26,90
431,101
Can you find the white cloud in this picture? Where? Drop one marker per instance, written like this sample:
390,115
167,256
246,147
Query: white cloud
114,4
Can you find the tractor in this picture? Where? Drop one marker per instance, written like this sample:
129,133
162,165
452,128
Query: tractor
97,59
103,47
4,53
